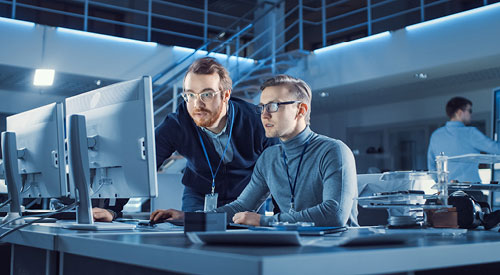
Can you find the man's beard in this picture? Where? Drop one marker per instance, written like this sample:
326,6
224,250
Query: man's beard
211,117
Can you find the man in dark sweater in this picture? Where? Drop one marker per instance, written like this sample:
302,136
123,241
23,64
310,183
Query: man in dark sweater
221,138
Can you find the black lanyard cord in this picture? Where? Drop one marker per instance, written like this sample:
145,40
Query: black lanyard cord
292,187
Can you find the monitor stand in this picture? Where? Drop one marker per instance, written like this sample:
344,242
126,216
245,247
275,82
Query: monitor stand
10,154
99,226
79,172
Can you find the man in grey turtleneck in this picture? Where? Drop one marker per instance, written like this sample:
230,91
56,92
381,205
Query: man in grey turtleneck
311,177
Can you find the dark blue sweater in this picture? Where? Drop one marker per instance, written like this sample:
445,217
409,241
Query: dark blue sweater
178,133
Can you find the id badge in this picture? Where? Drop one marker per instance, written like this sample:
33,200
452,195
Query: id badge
210,202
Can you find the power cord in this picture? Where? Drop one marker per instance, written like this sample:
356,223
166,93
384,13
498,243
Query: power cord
41,217
5,203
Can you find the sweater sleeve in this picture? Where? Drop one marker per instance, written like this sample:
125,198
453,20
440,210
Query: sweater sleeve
251,198
338,172
164,139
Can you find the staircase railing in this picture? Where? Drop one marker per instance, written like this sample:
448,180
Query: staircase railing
237,75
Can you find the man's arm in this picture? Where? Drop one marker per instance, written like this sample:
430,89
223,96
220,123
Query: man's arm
338,172
484,143
164,139
254,194
108,213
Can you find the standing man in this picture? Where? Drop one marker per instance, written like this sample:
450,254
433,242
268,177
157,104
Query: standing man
311,177
221,137
457,139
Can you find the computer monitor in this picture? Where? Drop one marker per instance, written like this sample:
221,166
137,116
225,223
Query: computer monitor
111,144
40,132
33,154
495,121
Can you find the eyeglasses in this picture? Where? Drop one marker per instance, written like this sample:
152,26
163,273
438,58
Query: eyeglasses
205,97
272,107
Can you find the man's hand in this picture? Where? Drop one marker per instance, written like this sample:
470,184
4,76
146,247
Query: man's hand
249,218
101,215
170,214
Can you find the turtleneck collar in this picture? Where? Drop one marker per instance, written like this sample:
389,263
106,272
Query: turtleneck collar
297,141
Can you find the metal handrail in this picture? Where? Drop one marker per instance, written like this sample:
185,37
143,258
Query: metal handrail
159,91
263,61
198,10
204,46
149,14
265,32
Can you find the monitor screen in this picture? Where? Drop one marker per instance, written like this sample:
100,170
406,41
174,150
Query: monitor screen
120,133
40,132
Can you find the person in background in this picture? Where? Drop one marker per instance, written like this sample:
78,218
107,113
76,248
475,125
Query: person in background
311,177
455,138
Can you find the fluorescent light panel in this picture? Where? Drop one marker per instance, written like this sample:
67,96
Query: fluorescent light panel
17,22
106,37
44,77
361,40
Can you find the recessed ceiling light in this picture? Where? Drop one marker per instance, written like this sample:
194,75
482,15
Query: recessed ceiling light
44,77
421,75
324,94
98,82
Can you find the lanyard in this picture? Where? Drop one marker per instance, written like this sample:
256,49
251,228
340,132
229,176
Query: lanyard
292,187
223,154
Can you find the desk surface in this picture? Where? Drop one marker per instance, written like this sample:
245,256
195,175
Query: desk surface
174,252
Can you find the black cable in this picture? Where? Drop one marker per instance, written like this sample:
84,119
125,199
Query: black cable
5,203
43,216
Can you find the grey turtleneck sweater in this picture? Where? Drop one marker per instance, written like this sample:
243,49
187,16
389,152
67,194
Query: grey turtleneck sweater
325,189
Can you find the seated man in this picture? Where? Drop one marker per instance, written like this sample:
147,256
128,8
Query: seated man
311,177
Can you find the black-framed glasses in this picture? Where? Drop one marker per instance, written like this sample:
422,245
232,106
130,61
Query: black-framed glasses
206,96
272,107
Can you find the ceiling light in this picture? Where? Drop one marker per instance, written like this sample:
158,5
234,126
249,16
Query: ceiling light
324,94
44,77
98,82
421,75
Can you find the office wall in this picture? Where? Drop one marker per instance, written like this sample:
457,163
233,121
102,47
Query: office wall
430,109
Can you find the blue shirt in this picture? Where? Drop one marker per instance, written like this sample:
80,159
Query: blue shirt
457,139
220,140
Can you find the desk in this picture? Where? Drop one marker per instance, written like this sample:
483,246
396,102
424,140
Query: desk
157,252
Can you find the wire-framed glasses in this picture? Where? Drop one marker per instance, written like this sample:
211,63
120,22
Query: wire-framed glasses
206,96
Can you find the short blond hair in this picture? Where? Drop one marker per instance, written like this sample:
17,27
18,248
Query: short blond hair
297,86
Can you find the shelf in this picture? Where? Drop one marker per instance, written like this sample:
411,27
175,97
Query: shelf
474,186
476,158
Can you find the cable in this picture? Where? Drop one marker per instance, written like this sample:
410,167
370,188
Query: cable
43,216
30,204
5,203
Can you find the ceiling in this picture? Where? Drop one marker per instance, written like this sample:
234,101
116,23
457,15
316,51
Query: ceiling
391,89
18,79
